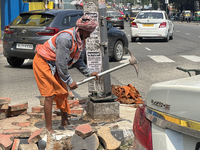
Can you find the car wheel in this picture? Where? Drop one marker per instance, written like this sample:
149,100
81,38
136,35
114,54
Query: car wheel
167,38
133,39
171,37
122,27
118,51
15,62
140,38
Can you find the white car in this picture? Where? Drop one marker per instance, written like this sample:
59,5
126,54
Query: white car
169,119
152,24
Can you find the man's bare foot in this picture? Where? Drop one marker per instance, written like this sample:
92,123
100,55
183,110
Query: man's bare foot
52,131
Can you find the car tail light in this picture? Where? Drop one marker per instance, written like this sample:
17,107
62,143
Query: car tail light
134,25
108,18
121,18
7,30
142,129
50,31
163,25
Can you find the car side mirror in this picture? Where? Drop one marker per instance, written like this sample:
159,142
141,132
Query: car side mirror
109,25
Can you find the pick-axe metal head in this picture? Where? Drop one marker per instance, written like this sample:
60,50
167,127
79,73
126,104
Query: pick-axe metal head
133,61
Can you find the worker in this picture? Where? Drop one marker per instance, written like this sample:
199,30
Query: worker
50,66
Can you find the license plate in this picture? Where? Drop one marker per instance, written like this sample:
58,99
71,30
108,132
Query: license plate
24,46
114,18
148,25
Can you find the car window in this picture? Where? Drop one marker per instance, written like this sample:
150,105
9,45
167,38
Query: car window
32,20
150,15
113,14
70,20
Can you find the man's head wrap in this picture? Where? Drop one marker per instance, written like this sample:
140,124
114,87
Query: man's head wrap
86,23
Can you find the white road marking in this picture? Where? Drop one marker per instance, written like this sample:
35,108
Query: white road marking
177,31
187,33
191,58
125,59
138,42
199,36
160,58
147,48
128,34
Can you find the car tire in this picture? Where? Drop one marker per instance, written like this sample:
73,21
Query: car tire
140,38
171,37
133,39
15,62
122,27
167,38
118,51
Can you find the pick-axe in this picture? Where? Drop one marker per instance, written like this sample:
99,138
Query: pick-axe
132,61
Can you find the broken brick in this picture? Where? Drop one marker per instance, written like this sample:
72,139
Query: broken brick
28,147
15,144
89,143
76,110
107,138
38,109
6,141
4,106
15,113
84,130
23,133
22,124
75,102
4,100
37,135
18,107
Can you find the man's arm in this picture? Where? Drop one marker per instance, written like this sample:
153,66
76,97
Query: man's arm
63,43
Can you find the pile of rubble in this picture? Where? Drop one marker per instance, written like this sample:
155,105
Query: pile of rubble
17,125
83,138
127,94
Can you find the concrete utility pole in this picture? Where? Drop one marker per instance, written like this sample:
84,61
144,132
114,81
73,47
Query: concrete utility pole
98,60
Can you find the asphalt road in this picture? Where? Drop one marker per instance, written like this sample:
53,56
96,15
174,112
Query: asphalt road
157,63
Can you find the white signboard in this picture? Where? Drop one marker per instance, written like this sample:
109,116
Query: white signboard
166,1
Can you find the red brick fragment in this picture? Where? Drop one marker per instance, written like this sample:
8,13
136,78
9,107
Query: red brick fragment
6,141
15,144
37,135
18,107
76,110
22,124
38,109
23,133
75,102
84,130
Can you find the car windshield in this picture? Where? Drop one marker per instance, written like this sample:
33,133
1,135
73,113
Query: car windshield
113,14
150,15
32,20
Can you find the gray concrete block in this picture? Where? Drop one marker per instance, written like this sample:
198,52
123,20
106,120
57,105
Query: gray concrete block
103,110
